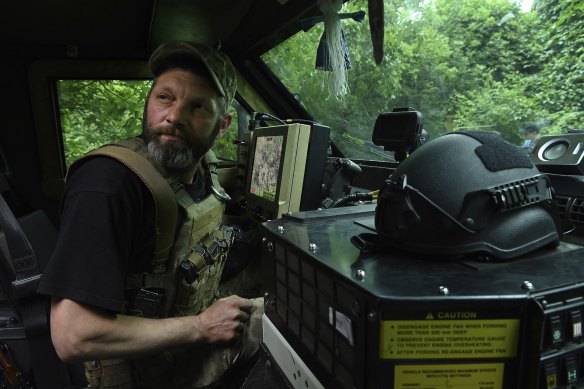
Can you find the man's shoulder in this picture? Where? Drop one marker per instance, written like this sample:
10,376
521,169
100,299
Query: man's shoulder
101,173
100,166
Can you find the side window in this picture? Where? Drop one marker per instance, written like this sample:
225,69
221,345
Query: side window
225,148
96,112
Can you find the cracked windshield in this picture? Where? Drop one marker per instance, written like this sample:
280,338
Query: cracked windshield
512,67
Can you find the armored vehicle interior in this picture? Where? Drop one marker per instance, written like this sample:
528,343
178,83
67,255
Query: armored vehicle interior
332,97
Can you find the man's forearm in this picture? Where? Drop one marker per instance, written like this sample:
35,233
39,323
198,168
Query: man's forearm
81,333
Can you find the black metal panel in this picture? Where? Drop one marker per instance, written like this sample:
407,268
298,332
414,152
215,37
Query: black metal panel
340,307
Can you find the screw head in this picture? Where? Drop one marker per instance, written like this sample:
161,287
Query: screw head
443,291
527,285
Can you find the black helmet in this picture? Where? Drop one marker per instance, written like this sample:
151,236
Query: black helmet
467,193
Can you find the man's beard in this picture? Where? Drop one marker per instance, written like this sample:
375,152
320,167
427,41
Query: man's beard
179,155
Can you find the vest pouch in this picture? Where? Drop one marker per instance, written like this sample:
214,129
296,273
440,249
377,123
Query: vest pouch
200,271
110,374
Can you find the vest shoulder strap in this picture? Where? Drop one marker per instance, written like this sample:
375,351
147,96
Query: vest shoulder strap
164,198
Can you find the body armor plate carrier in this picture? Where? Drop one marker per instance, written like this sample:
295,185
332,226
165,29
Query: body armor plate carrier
186,270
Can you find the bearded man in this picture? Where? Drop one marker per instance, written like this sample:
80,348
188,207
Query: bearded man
137,319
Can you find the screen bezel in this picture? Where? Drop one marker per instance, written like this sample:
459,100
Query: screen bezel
291,172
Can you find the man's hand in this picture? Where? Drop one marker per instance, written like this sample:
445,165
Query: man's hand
225,320
81,332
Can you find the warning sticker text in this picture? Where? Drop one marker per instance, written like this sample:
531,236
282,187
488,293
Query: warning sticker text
470,376
416,339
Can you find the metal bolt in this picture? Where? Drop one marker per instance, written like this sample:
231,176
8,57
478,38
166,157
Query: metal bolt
281,229
443,291
372,316
270,247
527,285
312,247
360,274
468,222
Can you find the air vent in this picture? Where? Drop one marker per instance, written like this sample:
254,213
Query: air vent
577,211
562,204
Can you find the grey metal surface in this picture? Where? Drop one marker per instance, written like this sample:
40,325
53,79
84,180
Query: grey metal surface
325,236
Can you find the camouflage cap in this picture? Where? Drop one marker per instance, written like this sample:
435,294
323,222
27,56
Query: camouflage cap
217,63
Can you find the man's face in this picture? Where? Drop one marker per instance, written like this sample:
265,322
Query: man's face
182,119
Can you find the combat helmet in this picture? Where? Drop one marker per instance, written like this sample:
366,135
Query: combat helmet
468,193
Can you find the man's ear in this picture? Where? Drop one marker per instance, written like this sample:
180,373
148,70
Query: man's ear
224,126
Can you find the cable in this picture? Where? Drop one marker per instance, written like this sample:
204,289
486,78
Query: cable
359,196
267,116
258,117
301,121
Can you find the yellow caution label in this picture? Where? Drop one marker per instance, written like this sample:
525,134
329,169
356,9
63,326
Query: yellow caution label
470,376
552,381
441,339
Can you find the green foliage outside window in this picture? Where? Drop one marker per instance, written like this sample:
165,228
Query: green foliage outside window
95,112
464,64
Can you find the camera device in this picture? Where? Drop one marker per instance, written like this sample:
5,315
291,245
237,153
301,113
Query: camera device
400,131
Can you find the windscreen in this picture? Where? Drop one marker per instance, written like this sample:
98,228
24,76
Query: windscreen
487,65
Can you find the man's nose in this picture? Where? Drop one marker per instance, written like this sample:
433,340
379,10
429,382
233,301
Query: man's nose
176,115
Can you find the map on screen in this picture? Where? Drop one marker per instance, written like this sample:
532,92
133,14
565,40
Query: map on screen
266,166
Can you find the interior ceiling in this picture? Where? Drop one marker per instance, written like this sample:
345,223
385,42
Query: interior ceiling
131,28
96,28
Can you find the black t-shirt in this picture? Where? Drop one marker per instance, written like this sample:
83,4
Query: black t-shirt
107,229
106,233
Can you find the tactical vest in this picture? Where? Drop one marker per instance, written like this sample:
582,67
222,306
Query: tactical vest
186,266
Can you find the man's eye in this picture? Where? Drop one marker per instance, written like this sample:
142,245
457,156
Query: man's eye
163,96
197,106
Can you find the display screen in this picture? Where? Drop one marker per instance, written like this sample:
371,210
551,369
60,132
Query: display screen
266,166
